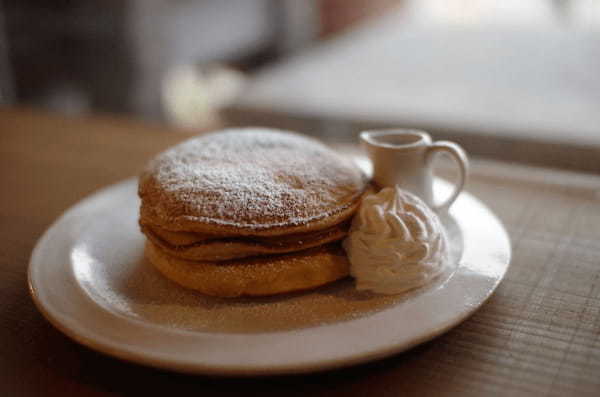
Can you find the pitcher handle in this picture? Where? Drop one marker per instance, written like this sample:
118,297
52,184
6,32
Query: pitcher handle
460,157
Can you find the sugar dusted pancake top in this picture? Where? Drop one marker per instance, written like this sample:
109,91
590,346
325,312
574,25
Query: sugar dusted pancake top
249,181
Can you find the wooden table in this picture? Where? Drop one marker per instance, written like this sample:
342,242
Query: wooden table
539,334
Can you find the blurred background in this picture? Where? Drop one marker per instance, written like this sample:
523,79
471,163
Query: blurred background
499,76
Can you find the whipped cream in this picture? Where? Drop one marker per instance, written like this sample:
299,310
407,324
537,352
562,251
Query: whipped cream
396,243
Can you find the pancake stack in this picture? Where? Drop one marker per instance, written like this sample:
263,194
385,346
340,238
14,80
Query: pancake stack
249,211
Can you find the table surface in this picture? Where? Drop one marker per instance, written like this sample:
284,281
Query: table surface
530,79
497,88
538,334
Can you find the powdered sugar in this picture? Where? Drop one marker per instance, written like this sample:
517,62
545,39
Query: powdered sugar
251,177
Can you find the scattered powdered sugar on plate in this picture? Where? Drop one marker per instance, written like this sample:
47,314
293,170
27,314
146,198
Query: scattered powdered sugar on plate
110,267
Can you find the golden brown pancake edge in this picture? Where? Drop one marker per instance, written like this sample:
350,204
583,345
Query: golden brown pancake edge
257,276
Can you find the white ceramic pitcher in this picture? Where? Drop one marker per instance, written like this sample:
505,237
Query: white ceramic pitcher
404,157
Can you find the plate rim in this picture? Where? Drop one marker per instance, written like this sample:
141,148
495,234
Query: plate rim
53,315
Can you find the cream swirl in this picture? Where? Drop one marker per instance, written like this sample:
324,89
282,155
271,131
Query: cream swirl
396,243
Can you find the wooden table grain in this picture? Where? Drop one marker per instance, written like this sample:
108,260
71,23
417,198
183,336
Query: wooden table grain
539,334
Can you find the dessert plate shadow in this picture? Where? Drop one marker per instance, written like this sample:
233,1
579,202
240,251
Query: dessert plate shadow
88,277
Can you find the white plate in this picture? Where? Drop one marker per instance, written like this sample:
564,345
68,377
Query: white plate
88,277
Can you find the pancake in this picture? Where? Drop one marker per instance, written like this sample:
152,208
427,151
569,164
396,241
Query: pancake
249,211
189,238
231,248
263,275
249,181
